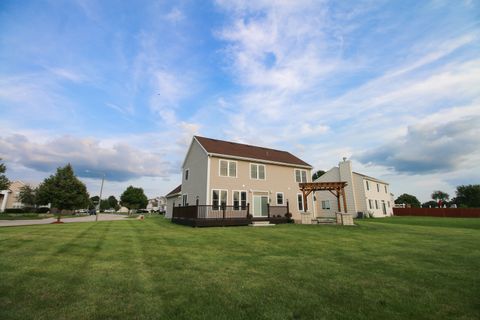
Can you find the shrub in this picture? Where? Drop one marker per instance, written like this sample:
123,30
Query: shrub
42,210
288,215
14,210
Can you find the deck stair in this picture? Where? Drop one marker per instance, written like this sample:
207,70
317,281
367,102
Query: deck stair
261,224
324,221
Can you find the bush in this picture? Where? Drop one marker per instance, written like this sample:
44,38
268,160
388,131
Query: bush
14,210
42,210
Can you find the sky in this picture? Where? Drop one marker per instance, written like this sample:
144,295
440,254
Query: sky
120,87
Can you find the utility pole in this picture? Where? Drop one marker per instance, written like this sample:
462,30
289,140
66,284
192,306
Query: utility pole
100,198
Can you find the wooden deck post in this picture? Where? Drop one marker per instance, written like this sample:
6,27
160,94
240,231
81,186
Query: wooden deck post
288,207
248,209
223,210
268,210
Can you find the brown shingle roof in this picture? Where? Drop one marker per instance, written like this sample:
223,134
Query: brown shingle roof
174,191
248,151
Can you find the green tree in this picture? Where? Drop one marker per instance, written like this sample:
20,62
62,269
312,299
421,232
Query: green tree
104,205
317,174
133,198
63,190
28,195
468,196
408,199
440,196
113,202
4,182
430,204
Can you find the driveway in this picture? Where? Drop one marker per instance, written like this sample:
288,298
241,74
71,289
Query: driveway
101,217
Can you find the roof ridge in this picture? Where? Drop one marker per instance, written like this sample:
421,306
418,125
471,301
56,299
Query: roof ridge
244,144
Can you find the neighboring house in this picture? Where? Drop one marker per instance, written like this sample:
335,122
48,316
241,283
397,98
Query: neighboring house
217,173
173,199
9,198
363,193
157,204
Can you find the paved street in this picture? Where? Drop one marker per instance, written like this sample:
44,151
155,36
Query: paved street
101,217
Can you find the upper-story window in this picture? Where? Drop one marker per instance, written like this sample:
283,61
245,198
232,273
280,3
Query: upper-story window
385,188
257,171
187,171
378,187
300,175
368,185
228,168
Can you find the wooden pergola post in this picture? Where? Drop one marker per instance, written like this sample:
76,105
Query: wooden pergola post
344,201
335,188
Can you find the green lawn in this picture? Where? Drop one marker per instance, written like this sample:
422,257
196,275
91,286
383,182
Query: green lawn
396,268
24,216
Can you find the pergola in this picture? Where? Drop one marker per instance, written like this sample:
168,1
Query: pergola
335,188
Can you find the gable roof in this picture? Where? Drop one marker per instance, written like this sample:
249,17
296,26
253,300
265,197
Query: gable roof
369,178
174,191
239,150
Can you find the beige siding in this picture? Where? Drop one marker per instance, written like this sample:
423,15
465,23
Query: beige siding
359,193
197,164
170,202
278,178
380,196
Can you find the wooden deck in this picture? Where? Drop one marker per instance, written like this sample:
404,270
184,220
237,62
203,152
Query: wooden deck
216,216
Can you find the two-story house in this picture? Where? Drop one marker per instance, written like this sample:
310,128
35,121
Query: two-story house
364,194
222,173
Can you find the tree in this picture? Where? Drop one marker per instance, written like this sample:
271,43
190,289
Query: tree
28,195
430,204
133,198
468,196
408,199
4,182
63,190
113,202
440,196
104,205
317,174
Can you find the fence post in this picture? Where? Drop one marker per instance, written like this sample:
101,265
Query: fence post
223,209
248,209
288,207
268,210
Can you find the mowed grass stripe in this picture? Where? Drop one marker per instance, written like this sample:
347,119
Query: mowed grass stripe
154,269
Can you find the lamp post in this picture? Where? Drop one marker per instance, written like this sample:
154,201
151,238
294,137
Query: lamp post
101,190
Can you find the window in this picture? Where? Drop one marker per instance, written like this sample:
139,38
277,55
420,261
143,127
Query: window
300,175
378,188
219,198
385,189
300,201
239,200
388,203
228,168
185,200
279,198
370,203
376,204
368,185
257,171
326,204
186,174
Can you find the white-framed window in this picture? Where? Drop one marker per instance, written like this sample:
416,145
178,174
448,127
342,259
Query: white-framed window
185,199
187,172
257,171
279,197
376,204
385,188
227,168
239,199
219,198
370,203
367,184
300,175
326,204
378,187
300,201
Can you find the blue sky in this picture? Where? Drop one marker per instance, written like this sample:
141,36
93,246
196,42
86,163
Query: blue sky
121,86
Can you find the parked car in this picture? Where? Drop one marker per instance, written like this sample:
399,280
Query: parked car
92,212
142,211
109,211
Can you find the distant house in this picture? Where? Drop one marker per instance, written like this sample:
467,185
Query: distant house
9,198
364,194
220,174
157,204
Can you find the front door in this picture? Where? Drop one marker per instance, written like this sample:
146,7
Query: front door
260,206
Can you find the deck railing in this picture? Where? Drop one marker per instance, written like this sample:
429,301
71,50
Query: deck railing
224,212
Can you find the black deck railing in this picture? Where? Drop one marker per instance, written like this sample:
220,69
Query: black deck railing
210,215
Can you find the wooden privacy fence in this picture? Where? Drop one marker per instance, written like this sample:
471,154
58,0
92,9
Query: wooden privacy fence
438,212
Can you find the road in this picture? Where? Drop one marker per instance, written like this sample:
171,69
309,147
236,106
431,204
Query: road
101,217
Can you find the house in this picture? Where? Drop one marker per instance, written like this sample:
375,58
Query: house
364,194
9,199
257,180
157,204
174,198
